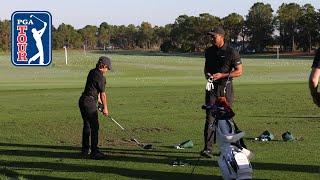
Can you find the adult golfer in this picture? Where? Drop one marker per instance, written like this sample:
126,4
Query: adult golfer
314,79
93,93
222,63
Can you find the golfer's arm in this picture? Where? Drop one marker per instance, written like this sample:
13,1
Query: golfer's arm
99,99
103,98
313,80
235,73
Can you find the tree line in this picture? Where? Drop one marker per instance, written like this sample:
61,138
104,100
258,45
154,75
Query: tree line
292,28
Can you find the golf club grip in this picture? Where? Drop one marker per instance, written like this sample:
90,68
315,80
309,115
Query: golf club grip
115,122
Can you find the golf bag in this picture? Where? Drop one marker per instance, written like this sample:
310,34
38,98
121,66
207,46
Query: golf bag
234,158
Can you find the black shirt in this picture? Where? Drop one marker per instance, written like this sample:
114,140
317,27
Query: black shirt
221,60
316,61
95,84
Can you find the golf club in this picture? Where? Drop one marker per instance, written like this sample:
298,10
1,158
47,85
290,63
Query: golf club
144,146
227,82
116,122
36,18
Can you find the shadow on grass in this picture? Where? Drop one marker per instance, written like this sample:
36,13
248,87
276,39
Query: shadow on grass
39,146
112,156
306,118
14,175
128,155
294,117
131,173
174,151
79,148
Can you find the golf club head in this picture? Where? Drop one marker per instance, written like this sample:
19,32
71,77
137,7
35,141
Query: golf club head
147,146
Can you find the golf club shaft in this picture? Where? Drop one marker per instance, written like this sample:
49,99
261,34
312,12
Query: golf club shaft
136,141
228,81
115,122
132,139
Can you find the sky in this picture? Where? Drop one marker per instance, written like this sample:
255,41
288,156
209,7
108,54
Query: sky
80,13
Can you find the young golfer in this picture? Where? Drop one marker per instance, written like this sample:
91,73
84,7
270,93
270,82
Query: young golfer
93,93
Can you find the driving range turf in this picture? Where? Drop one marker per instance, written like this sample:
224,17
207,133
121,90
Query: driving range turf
158,100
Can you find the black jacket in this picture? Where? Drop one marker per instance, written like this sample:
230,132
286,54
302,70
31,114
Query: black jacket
221,60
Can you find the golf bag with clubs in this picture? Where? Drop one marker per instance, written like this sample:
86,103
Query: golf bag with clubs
234,160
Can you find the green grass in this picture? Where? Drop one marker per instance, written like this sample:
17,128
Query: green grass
158,99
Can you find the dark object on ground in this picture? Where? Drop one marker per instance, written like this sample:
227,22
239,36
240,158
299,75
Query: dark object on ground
179,162
97,155
206,154
287,136
265,136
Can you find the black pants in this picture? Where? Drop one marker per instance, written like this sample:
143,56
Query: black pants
209,127
88,109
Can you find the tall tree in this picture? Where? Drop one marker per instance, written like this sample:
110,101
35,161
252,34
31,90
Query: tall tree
5,35
189,33
205,22
89,35
131,35
165,40
66,35
317,38
145,34
104,35
120,38
160,35
233,24
259,25
181,30
245,34
288,16
307,27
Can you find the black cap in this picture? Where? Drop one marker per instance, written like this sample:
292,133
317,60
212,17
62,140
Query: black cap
216,30
105,61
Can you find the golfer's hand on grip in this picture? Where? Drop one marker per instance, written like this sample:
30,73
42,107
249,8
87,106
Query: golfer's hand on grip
217,76
105,111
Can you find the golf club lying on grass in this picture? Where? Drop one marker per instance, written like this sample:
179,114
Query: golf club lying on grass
147,146
144,146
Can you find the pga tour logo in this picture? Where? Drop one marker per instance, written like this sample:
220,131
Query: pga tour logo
31,38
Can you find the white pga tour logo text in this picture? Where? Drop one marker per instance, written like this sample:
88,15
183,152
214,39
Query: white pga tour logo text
22,38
